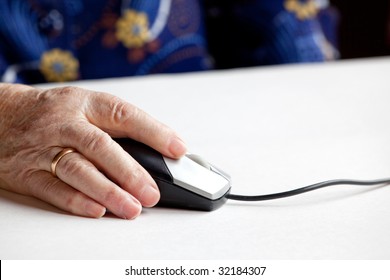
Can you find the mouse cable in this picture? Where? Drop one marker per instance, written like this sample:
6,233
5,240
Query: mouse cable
307,189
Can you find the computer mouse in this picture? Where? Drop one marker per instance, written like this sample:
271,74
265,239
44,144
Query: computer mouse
189,182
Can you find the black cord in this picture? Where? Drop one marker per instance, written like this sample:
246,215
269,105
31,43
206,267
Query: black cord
307,189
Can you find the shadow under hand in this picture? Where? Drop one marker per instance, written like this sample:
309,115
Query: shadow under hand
28,202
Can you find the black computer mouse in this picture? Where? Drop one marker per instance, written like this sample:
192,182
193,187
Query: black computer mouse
189,182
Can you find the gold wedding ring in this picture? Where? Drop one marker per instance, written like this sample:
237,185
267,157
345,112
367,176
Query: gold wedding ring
57,159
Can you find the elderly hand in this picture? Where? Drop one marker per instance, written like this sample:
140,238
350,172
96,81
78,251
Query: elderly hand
35,125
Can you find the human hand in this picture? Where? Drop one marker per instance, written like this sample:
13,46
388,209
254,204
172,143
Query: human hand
35,125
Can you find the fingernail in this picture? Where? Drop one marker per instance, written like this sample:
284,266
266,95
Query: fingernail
150,196
131,208
177,147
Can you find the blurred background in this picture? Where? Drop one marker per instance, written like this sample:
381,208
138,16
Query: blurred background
364,27
240,33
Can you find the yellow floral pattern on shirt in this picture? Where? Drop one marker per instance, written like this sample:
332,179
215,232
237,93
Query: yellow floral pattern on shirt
132,29
302,9
58,65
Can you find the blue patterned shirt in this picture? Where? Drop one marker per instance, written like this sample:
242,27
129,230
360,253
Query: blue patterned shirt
53,40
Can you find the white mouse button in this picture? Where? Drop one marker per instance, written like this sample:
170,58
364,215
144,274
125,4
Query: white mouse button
198,159
196,178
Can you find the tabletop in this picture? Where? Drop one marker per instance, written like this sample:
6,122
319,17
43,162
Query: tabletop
272,129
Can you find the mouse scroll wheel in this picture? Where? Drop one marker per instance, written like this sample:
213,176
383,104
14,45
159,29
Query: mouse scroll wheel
199,160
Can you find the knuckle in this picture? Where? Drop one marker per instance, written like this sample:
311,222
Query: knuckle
131,180
67,90
68,130
69,167
119,111
111,196
73,202
44,190
71,129
122,111
97,141
70,202
50,96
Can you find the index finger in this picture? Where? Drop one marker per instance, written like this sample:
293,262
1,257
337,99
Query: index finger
122,119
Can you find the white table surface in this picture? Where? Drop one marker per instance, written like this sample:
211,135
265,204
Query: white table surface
272,129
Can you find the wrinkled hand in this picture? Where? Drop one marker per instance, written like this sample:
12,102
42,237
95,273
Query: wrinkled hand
35,125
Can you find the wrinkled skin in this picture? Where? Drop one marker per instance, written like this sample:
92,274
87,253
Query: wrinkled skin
35,125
